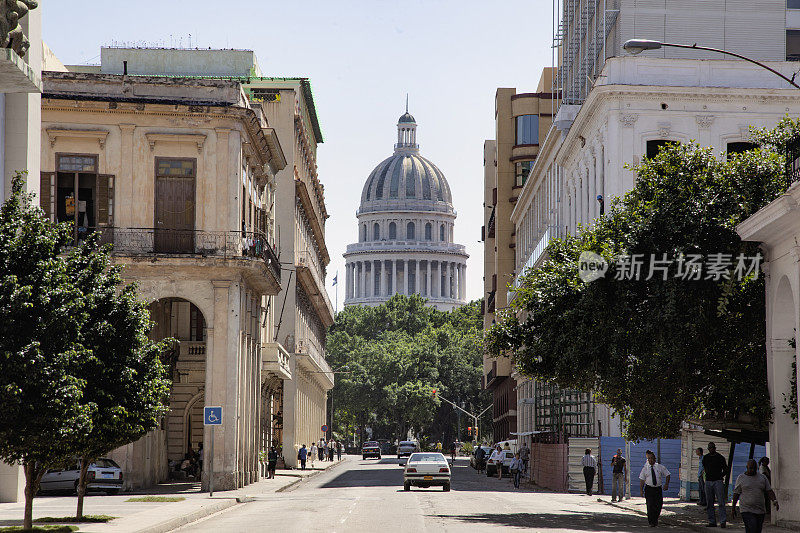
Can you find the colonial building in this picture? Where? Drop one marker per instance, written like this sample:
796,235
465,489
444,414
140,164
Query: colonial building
613,109
180,176
302,312
405,232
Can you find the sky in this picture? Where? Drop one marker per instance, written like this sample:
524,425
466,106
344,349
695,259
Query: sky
362,58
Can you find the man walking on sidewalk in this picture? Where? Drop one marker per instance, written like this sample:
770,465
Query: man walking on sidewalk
620,476
302,455
651,479
589,464
715,469
524,455
752,487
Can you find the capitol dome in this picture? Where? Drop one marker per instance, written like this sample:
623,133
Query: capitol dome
405,231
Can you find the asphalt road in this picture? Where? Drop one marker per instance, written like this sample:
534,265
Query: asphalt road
368,496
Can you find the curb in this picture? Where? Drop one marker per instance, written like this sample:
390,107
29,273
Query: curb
178,521
296,482
670,520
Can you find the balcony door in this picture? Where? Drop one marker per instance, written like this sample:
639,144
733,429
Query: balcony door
175,205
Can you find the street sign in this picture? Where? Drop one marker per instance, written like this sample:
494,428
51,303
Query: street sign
212,416
324,428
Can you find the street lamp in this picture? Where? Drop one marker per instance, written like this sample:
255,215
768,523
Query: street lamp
637,46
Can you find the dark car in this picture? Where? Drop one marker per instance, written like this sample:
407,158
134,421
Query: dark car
371,449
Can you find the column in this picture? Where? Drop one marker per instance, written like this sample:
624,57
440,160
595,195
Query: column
592,187
447,286
394,278
417,282
405,276
384,279
428,291
362,279
598,172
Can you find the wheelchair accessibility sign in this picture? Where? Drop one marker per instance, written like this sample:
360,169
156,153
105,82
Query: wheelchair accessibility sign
212,416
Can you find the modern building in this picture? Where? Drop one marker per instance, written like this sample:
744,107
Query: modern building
613,109
520,121
179,175
405,232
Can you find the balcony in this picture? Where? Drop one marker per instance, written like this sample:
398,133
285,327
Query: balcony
533,261
490,302
490,227
405,246
251,249
311,276
276,360
310,357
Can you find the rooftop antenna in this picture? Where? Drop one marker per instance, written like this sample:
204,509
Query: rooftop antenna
406,102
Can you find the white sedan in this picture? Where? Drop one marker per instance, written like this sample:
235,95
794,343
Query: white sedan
426,470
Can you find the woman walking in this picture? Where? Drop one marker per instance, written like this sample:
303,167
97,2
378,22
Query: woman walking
516,469
313,453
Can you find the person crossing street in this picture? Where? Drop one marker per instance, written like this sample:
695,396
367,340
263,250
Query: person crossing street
589,464
653,480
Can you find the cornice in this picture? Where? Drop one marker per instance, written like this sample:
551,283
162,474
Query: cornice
71,133
195,138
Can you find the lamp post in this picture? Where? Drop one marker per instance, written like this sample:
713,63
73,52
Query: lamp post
637,46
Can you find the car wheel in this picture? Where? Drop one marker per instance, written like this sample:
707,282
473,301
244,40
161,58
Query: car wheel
363,457
446,487
379,458
406,486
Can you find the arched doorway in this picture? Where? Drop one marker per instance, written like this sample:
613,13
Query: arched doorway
180,319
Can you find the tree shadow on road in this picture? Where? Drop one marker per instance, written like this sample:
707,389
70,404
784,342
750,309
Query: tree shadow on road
566,520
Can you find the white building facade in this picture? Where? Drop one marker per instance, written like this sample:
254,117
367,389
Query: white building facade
405,232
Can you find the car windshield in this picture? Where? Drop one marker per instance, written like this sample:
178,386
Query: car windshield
370,444
426,458
105,463
408,443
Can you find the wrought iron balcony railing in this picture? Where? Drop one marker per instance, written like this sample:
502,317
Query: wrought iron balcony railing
225,244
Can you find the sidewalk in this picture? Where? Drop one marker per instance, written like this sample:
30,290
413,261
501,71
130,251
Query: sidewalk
684,514
155,517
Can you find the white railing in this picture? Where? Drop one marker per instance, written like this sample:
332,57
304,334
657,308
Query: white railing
533,260
310,348
308,259
432,246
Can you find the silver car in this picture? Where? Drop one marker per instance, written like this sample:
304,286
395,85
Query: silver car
103,474
406,448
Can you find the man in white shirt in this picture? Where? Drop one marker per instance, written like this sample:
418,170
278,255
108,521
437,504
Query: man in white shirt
651,479
589,464
497,460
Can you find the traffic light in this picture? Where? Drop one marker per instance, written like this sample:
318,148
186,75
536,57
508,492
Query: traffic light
433,393
469,431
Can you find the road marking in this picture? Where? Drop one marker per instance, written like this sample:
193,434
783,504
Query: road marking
350,511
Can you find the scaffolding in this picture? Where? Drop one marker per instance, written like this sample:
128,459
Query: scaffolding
564,412
581,29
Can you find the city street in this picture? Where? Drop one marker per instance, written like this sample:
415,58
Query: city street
368,496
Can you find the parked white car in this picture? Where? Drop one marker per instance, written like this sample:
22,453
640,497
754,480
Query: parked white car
426,470
406,448
103,474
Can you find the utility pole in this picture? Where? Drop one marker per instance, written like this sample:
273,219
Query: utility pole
471,415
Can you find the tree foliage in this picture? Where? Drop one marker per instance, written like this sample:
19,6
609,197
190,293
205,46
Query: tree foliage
78,375
658,351
396,355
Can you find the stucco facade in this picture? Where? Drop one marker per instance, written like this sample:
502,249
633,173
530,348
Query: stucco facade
179,175
777,227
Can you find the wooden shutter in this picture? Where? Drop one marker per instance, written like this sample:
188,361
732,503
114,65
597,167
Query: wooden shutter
105,200
46,196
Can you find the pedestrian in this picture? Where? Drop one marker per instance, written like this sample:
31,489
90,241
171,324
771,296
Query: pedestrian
715,468
272,462
480,459
516,469
439,446
750,489
324,449
497,460
200,456
701,478
589,464
320,450
331,449
338,451
619,479
763,468
524,455
312,454
453,451
302,455
652,478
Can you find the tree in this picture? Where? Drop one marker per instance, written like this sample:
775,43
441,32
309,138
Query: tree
396,355
126,383
658,351
41,317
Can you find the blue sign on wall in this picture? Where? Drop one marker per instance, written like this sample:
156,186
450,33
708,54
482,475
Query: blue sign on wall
212,416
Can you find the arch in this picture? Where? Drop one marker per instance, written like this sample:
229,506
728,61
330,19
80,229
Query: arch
428,231
363,236
392,231
376,232
410,231
187,421
783,311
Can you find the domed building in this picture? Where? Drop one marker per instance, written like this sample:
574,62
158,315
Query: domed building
405,232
